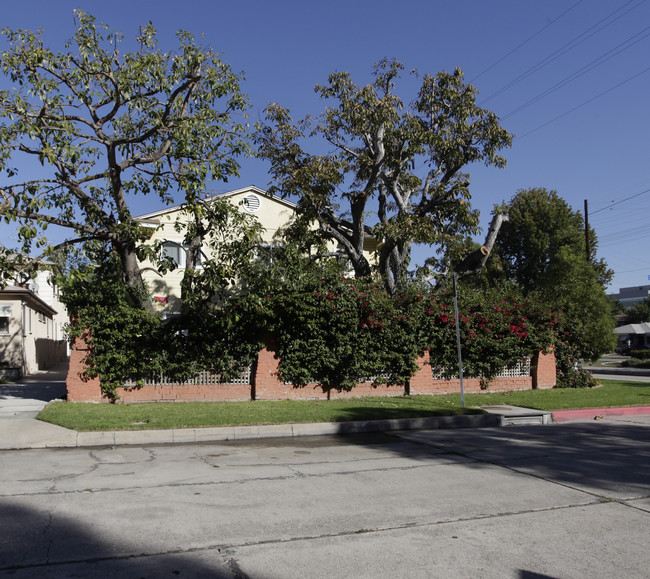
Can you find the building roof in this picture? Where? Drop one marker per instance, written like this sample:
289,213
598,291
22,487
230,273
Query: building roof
643,328
21,293
249,189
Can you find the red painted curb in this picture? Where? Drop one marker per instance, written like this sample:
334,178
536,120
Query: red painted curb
593,413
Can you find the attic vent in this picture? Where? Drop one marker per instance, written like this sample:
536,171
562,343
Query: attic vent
251,203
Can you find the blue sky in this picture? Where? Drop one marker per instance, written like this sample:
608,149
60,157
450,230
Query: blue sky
569,78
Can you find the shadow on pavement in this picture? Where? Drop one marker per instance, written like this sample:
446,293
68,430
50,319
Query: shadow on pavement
46,386
35,544
599,455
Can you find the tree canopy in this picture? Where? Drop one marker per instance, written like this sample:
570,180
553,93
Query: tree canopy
392,171
105,125
638,313
543,250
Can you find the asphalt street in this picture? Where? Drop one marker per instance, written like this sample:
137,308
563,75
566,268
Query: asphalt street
562,500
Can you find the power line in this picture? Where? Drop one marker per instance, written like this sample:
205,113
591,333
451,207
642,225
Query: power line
637,233
632,270
621,200
600,25
630,42
584,103
516,48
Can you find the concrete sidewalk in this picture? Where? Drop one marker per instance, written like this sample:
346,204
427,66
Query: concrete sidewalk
31,433
21,402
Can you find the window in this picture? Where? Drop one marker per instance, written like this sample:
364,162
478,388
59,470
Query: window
265,252
174,251
177,252
4,325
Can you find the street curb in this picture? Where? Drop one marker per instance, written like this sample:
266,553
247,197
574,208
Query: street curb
52,436
596,413
68,439
621,372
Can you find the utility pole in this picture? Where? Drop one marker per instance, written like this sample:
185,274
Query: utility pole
458,348
587,241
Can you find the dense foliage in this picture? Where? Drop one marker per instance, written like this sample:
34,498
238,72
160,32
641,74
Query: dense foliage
86,129
542,250
638,313
335,329
131,343
392,170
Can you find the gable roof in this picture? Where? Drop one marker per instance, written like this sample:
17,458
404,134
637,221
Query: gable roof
643,328
250,189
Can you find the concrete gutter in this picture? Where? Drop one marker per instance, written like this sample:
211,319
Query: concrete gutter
621,372
30,433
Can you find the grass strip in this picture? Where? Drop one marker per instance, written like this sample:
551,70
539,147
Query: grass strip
99,417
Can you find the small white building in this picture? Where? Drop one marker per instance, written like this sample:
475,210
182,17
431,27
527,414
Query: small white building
32,334
633,337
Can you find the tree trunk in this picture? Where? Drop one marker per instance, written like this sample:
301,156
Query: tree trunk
361,267
132,276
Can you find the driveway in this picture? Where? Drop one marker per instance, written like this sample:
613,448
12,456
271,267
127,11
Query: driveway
28,396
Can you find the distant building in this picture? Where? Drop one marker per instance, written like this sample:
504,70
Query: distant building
32,326
630,296
633,337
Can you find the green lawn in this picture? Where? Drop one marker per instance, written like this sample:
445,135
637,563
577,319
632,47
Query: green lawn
88,417
610,394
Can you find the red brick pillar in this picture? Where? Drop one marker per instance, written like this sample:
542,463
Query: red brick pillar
266,385
543,370
80,387
422,381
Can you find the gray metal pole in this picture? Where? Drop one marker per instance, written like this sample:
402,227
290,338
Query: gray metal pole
460,356
587,240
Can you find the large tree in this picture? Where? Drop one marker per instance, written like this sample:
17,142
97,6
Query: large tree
543,250
107,125
392,171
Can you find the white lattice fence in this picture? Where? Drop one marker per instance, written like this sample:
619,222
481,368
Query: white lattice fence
202,378
517,370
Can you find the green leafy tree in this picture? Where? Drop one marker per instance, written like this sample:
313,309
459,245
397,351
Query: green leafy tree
542,249
638,313
394,171
106,125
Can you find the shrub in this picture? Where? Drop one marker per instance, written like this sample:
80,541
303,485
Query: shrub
498,328
569,372
635,363
129,343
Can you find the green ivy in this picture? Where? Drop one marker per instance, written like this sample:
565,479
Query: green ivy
328,328
129,343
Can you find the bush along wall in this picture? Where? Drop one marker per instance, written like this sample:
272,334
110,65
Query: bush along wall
126,343
329,329
336,331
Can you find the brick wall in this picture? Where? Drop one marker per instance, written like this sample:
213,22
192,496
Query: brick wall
543,370
267,386
81,388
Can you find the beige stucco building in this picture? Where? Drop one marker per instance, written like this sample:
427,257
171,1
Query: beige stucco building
272,213
32,322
